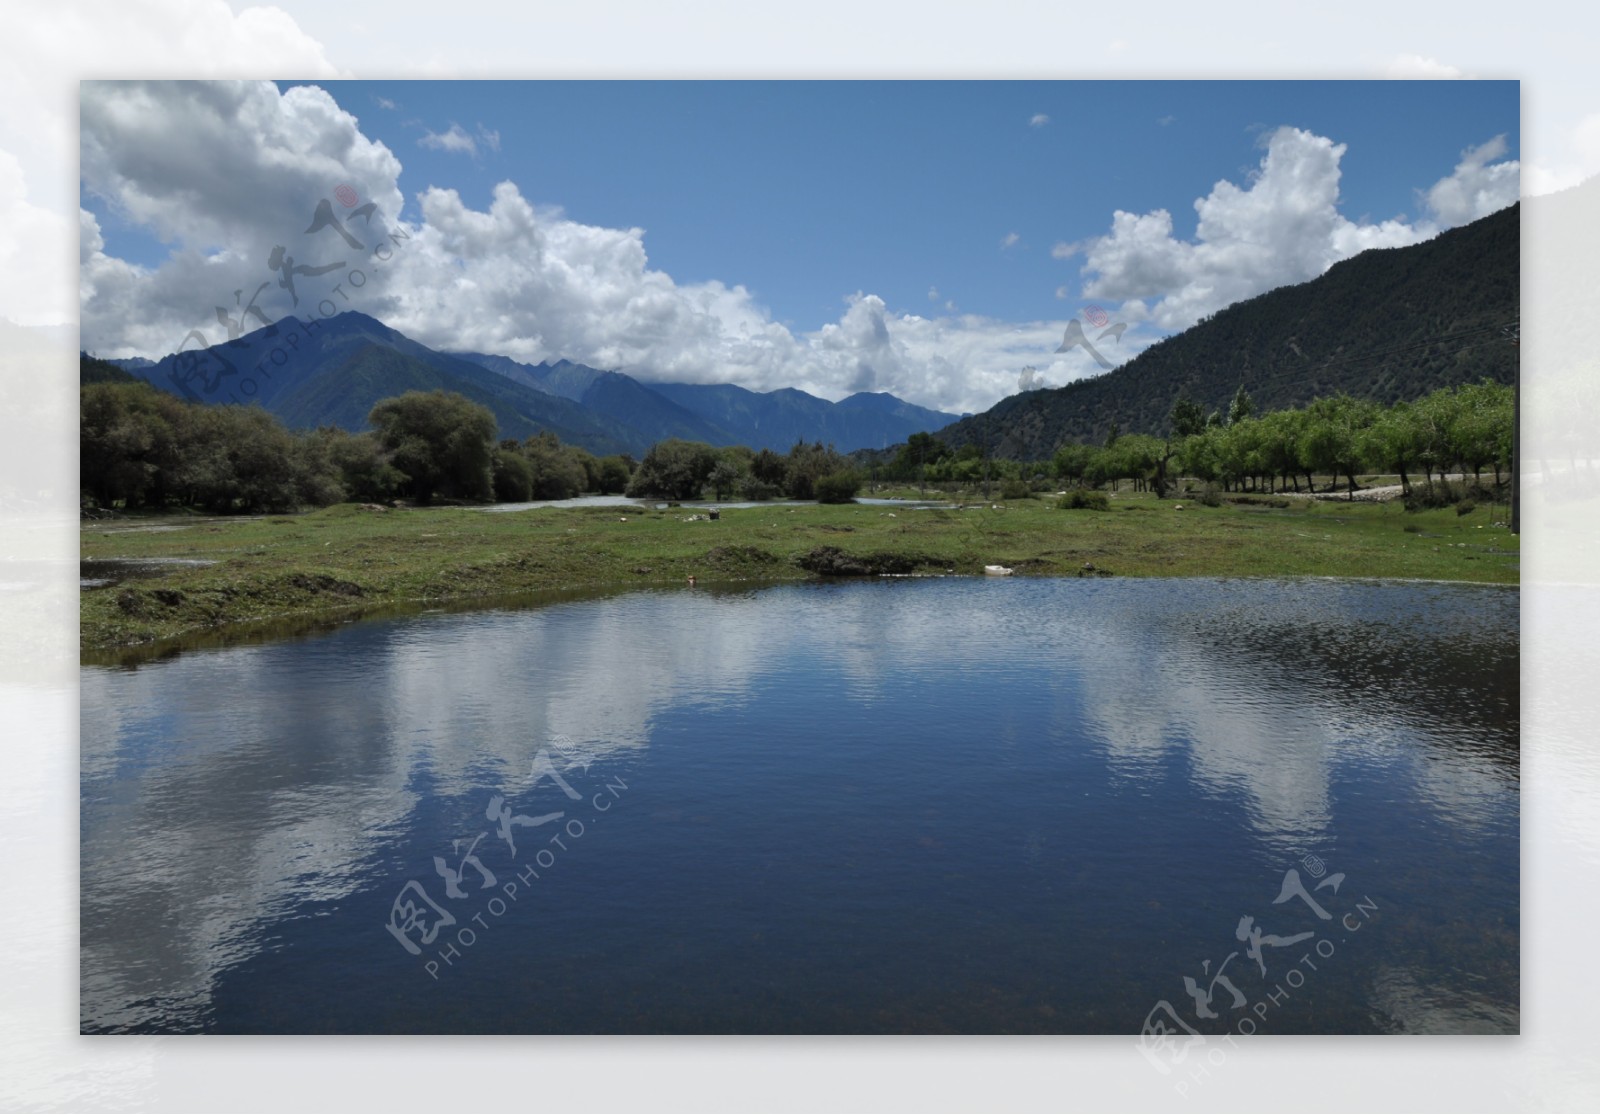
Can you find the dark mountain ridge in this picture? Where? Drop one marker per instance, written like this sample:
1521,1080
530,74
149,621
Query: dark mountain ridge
332,371
1389,324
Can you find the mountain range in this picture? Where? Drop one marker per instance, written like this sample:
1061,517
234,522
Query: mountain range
1388,325
331,372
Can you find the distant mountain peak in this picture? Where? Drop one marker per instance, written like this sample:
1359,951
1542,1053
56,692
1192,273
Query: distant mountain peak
314,371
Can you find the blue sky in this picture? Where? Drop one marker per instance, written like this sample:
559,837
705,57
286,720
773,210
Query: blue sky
920,237
806,191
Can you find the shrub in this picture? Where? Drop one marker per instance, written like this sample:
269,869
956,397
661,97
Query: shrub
1450,493
1210,497
1081,499
673,469
837,487
1466,507
1016,489
757,490
513,476
1432,496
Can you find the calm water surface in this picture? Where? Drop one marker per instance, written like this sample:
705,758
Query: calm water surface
953,805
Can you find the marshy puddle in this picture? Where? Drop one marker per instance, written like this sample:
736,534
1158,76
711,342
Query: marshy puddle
100,572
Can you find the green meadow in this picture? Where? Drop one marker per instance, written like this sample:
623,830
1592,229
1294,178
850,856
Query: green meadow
347,559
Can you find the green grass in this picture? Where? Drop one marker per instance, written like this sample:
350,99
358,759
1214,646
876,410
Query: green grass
344,560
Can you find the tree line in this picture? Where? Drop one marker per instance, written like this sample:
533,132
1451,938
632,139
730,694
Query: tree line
1467,428
677,469
142,448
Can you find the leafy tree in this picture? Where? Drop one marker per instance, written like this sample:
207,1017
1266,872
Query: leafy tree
558,470
513,475
1201,457
441,441
239,459
1188,418
725,477
589,463
318,479
1436,416
1246,452
1396,440
740,456
364,467
1483,411
1133,458
838,487
919,451
130,443
615,473
769,468
1334,436
1281,434
807,465
674,469
1072,462
1241,407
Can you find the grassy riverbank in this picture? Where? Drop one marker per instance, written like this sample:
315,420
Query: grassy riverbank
346,559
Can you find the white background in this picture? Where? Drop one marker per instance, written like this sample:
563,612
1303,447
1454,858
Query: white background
47,46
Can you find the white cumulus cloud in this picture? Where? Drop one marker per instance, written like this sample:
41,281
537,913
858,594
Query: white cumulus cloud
522,279
516,278
251,161
39,110
1038,120
455,139
1283,227
1479,186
